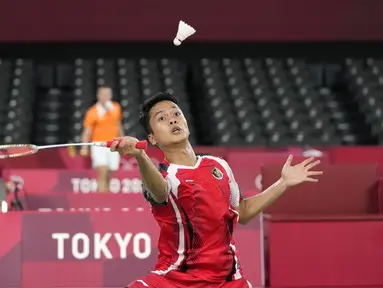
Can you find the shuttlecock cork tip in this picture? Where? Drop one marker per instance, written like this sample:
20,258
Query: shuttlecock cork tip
184,31
177,42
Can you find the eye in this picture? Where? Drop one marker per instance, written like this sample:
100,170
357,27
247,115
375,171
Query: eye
161,118
178,113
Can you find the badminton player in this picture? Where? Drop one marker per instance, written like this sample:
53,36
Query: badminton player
196,202
103,122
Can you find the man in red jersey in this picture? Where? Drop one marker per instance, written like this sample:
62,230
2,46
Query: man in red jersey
196,202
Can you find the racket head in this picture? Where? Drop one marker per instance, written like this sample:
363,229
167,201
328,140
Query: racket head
17,150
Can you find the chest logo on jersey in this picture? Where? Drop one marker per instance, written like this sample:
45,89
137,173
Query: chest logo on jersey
217,173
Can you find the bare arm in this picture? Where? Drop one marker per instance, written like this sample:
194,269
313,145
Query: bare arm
88,124
290,176
152,179
86,135
85,138
252,206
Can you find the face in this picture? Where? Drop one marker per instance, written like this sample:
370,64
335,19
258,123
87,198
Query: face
168,124
104,95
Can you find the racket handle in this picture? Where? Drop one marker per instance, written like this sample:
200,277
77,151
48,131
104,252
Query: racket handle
143,145
140,144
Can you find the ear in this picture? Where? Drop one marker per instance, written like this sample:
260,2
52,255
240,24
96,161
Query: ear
152,140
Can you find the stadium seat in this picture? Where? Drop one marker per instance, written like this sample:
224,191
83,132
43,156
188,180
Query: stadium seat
227,101
18,123
83,96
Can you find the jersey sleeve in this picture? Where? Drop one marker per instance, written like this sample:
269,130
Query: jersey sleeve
148,195
89,119
119,112
235,193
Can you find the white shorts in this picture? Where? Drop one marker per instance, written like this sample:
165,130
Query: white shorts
104,157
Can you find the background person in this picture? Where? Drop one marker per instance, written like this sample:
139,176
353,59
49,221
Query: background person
102,123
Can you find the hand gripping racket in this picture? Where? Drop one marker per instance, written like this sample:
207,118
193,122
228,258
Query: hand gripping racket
19,150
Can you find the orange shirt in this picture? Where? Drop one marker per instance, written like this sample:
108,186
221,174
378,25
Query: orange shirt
104,124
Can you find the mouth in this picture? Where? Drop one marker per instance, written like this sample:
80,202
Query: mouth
176,129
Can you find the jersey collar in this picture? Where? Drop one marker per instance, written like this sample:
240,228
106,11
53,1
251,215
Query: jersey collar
199,159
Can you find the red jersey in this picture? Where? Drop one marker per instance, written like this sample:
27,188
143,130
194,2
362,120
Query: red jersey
197,221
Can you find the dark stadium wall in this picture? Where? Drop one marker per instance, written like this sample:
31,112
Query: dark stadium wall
327,51
89,20
71,29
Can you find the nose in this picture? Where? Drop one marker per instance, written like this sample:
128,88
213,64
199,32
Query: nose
172,122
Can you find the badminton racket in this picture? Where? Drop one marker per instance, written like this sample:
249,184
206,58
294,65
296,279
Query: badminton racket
19,150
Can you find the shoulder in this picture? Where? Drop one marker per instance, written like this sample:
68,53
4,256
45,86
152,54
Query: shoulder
116,104
219,160
91,112
162,167
92,109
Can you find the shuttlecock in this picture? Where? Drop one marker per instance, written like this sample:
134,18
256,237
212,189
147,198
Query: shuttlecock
184,31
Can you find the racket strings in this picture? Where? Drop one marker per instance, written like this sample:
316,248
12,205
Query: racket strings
17,150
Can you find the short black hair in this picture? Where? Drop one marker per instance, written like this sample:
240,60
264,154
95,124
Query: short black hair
149,103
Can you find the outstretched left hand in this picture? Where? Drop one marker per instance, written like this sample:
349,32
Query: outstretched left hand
297,174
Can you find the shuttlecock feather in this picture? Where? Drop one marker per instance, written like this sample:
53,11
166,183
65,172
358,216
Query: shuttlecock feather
184,31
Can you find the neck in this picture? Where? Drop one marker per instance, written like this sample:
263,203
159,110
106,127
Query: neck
181,154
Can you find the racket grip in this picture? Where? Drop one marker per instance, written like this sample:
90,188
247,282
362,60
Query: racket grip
143,145
140,144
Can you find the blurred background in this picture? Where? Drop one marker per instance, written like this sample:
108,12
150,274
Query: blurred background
257,82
